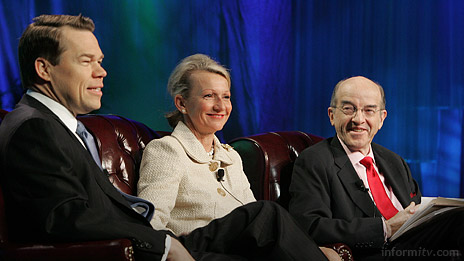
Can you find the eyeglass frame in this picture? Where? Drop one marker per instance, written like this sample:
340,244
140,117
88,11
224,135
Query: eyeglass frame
355,110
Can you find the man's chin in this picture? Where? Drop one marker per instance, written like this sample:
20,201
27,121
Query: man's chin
89,110
356,146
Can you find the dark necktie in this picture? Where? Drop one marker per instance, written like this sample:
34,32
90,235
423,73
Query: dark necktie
143,207
382,201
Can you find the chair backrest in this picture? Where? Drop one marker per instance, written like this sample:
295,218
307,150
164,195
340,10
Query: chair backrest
2,114
120,142
268,160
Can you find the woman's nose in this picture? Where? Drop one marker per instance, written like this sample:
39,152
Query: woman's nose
219,104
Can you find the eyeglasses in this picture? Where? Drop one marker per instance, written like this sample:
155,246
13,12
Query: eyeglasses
350,110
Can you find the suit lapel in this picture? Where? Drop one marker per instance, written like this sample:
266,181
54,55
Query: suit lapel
349,178
100,176
393,177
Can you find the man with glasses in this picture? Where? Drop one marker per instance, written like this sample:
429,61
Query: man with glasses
348,189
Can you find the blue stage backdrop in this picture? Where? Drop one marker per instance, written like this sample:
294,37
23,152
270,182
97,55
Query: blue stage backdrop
285,57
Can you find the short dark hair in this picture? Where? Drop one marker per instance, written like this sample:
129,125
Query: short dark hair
42,39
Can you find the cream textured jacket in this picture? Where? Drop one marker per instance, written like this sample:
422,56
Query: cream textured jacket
179,178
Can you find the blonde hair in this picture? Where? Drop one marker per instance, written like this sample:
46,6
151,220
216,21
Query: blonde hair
179,81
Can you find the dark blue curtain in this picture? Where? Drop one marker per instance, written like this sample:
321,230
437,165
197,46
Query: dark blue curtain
285,57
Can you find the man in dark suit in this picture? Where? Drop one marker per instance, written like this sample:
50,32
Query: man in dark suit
348,189
56,191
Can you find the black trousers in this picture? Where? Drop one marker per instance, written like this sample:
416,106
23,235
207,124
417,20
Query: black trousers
257,231
441,238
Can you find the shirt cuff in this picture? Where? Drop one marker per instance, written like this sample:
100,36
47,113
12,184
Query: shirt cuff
167,247
385,234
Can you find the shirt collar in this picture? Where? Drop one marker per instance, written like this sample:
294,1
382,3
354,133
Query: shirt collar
58,109
356,156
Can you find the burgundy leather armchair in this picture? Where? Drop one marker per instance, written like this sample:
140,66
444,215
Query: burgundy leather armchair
268,160
269,157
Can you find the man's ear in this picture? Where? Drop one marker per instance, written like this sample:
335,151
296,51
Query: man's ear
42,68
383,115
179,101
330,112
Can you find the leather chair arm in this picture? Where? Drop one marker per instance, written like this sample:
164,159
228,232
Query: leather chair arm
119,249
343,251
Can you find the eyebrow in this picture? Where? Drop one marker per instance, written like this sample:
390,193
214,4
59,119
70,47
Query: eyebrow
91,55
368,106
207,90
346,102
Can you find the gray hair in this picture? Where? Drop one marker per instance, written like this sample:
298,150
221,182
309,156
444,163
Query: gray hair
179,81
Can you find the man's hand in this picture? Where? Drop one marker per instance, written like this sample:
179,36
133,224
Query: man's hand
178,252
330,254
394,223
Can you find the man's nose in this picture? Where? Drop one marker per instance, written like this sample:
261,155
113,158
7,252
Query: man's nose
99,71
359,116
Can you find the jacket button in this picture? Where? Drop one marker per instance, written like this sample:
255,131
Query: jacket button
221,192
213,166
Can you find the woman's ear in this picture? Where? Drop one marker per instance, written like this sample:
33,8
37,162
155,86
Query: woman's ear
179,101
42,68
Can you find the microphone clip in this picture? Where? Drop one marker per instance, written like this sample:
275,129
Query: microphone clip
220,175
360,185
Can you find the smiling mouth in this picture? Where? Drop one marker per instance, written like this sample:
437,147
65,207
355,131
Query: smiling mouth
218,116
357,130
95,89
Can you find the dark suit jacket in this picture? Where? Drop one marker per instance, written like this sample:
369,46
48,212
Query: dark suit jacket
54,191
330,205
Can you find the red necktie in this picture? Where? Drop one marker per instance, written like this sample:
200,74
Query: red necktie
382,201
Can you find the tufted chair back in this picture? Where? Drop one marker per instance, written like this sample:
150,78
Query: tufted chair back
268,161
120,142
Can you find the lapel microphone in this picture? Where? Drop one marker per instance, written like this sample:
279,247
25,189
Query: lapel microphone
360,184
220,175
